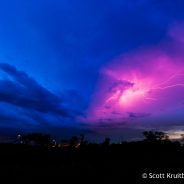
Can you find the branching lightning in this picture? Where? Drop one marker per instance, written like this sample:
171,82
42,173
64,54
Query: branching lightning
159,86
135,92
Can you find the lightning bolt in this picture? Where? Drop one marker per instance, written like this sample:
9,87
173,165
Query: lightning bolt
171,85
136,91
170,78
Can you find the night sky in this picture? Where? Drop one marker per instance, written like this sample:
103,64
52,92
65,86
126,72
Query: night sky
102,68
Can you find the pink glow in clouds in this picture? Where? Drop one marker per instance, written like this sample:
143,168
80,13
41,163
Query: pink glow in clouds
146,81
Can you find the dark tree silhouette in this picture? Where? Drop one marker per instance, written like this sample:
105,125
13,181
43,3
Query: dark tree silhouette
106,142
83,142
82,137
37,139
155,136
74,141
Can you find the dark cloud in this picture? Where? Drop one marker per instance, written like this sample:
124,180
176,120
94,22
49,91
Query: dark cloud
112,124
120,85
23,91
138,115
24,103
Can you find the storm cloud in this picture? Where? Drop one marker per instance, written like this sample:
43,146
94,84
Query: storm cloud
35,102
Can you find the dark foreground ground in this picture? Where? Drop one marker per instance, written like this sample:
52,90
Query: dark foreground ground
120,163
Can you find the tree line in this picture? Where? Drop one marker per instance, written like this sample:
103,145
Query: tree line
40,139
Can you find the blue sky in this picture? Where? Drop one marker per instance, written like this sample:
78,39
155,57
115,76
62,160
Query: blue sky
61,46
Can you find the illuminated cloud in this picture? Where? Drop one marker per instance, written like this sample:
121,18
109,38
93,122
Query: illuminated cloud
145,81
